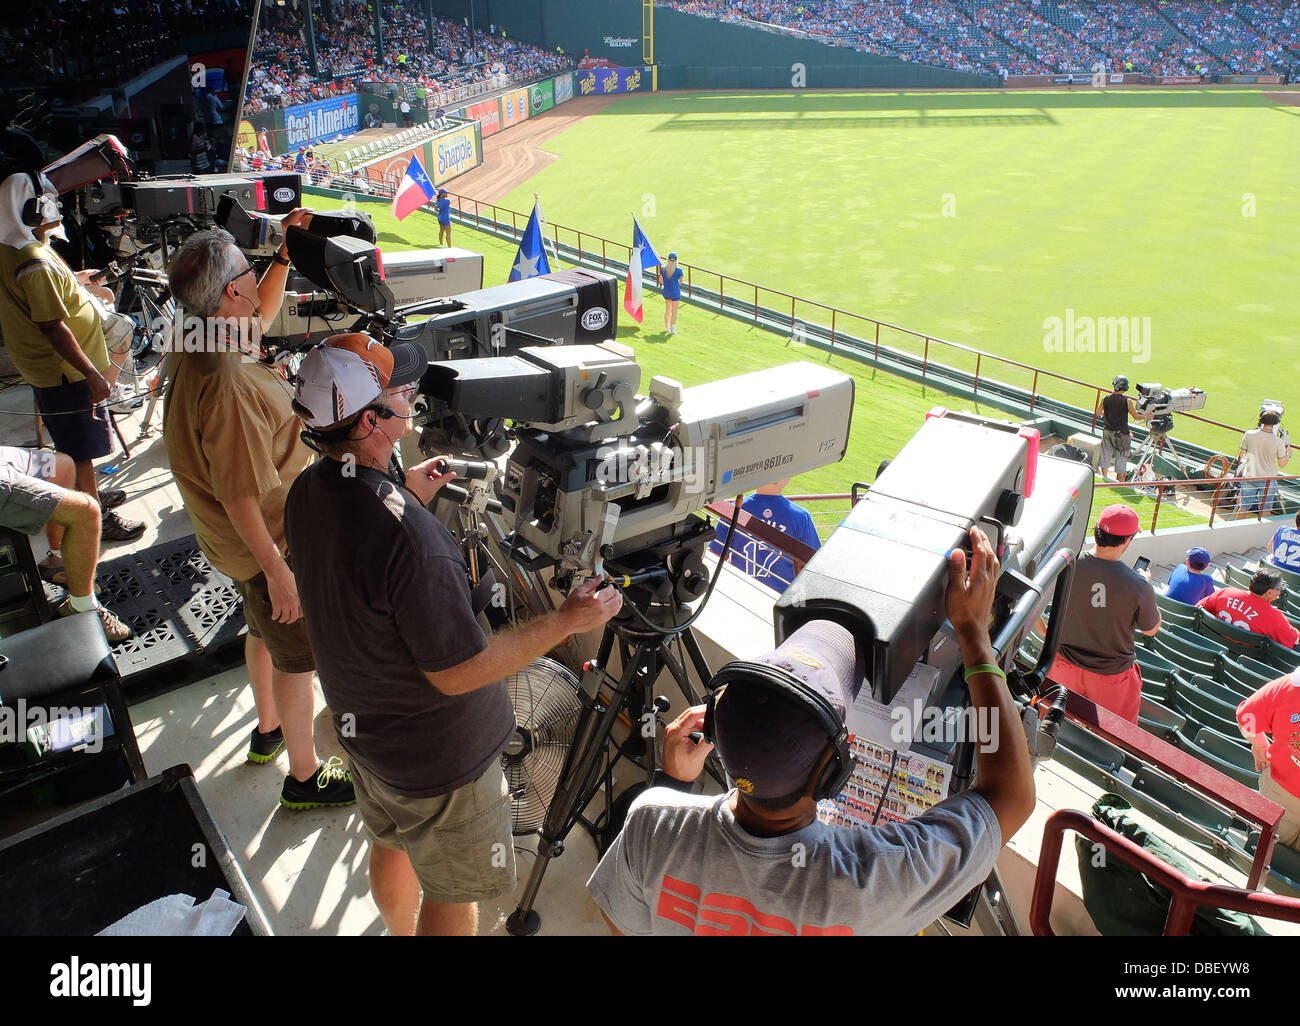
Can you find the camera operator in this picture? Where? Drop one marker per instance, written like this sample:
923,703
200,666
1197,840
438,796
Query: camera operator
758,860
1262,453
233,443
413,684
1115,411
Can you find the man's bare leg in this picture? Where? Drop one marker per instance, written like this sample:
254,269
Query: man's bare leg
65,476
396,890
86,479
295,703
444,919
259,676
78,515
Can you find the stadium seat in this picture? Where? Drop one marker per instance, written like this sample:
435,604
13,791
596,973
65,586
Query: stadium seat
1158,719
1237,577
1183,801
1236,640
1227,756
1155,665
1290,579
1173,611
1262,668
1219,692
1199,709
1089,746
1188,655
1245,680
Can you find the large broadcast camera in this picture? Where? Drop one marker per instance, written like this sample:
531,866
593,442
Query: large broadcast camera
884,572
600,473
1158,404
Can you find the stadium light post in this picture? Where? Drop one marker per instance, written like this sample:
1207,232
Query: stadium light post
309,29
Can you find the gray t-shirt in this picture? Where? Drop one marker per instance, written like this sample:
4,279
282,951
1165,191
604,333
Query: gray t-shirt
386,597
1108,599
683,866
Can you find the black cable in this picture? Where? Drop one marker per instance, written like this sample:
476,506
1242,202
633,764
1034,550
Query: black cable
722,558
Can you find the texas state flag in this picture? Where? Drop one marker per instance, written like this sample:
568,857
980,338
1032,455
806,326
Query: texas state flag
643,256
415,191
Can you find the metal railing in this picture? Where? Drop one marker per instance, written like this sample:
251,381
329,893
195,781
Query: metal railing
833,328
1224,500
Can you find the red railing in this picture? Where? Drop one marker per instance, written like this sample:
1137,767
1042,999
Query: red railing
468,207
1219,503
1188,894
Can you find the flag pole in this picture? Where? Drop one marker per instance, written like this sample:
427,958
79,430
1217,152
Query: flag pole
546,230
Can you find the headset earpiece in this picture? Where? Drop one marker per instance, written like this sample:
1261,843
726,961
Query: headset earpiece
40,209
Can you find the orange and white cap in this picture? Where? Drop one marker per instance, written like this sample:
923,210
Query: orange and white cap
348,372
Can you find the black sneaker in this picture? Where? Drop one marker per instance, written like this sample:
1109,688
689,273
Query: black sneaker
330,788
262,748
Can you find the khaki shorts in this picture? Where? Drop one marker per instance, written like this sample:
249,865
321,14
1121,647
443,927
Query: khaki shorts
26,502
459,844
1288,830
287,642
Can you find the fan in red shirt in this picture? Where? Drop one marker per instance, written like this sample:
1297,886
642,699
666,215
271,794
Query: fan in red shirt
1254,610
1275,709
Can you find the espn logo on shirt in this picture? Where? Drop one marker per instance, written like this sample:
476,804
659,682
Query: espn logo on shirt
729,915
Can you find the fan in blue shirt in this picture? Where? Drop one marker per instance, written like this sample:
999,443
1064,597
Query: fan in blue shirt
1286,547
760,561
1189,582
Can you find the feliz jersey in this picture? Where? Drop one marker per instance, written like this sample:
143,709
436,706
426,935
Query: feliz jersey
1251,613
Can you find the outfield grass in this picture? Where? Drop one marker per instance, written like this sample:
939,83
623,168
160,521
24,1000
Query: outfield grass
977,216
887,410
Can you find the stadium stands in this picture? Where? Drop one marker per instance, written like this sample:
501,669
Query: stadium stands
345,48
1022,37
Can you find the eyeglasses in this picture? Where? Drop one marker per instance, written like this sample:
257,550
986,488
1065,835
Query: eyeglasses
246,270
405,391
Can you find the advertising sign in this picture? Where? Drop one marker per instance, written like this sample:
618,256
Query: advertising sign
454,154
488,114
541,96
323,120
603,81
564,88
514,108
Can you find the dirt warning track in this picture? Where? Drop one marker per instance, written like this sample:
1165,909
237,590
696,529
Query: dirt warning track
513,156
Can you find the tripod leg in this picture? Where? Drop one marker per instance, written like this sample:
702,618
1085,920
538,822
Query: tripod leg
571,795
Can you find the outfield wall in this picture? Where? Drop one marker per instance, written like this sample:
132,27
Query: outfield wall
701,53
443,157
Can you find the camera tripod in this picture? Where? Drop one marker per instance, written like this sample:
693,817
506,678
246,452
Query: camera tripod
661,579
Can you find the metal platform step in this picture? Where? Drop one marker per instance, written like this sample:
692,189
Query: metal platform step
175,601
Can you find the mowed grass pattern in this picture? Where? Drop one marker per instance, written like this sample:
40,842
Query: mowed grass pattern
887,410
977,216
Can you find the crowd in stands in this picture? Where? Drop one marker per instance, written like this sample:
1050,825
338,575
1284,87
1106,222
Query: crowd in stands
1021,37
345,50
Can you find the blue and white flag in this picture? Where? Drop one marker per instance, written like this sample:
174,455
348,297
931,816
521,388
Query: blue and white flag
639,241
531,260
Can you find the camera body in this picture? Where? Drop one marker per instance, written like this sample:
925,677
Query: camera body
1158,404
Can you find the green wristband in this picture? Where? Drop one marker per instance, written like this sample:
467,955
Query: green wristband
985,668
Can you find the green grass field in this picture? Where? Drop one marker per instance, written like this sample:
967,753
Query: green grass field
976,217
887,410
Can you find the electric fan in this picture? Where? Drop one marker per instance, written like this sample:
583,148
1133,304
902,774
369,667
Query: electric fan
545,697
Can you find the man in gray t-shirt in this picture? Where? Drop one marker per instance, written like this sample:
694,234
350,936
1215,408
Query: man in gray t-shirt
756,860
1109,600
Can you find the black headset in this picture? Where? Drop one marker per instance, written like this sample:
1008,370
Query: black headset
317,439
40,209
835,774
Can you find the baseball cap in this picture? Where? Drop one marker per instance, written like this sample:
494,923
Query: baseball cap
1119,520
769,743
348,372
672,256
1198,557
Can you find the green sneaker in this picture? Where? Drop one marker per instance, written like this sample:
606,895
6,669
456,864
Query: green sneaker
262,748
330,788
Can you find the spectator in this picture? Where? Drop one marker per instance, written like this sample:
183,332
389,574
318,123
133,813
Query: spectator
1254,610
406,113
1262,454
393,623
1189,583
300,161
54,334
762,562
784,757
1275,709
234,447
35,493
1108,601
1286,547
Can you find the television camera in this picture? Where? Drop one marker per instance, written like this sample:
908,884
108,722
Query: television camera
1158,404
599,473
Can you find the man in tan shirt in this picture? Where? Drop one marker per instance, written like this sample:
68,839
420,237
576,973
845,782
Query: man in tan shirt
233,442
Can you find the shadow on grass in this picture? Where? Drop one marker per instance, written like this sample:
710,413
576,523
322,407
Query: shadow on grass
639,335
